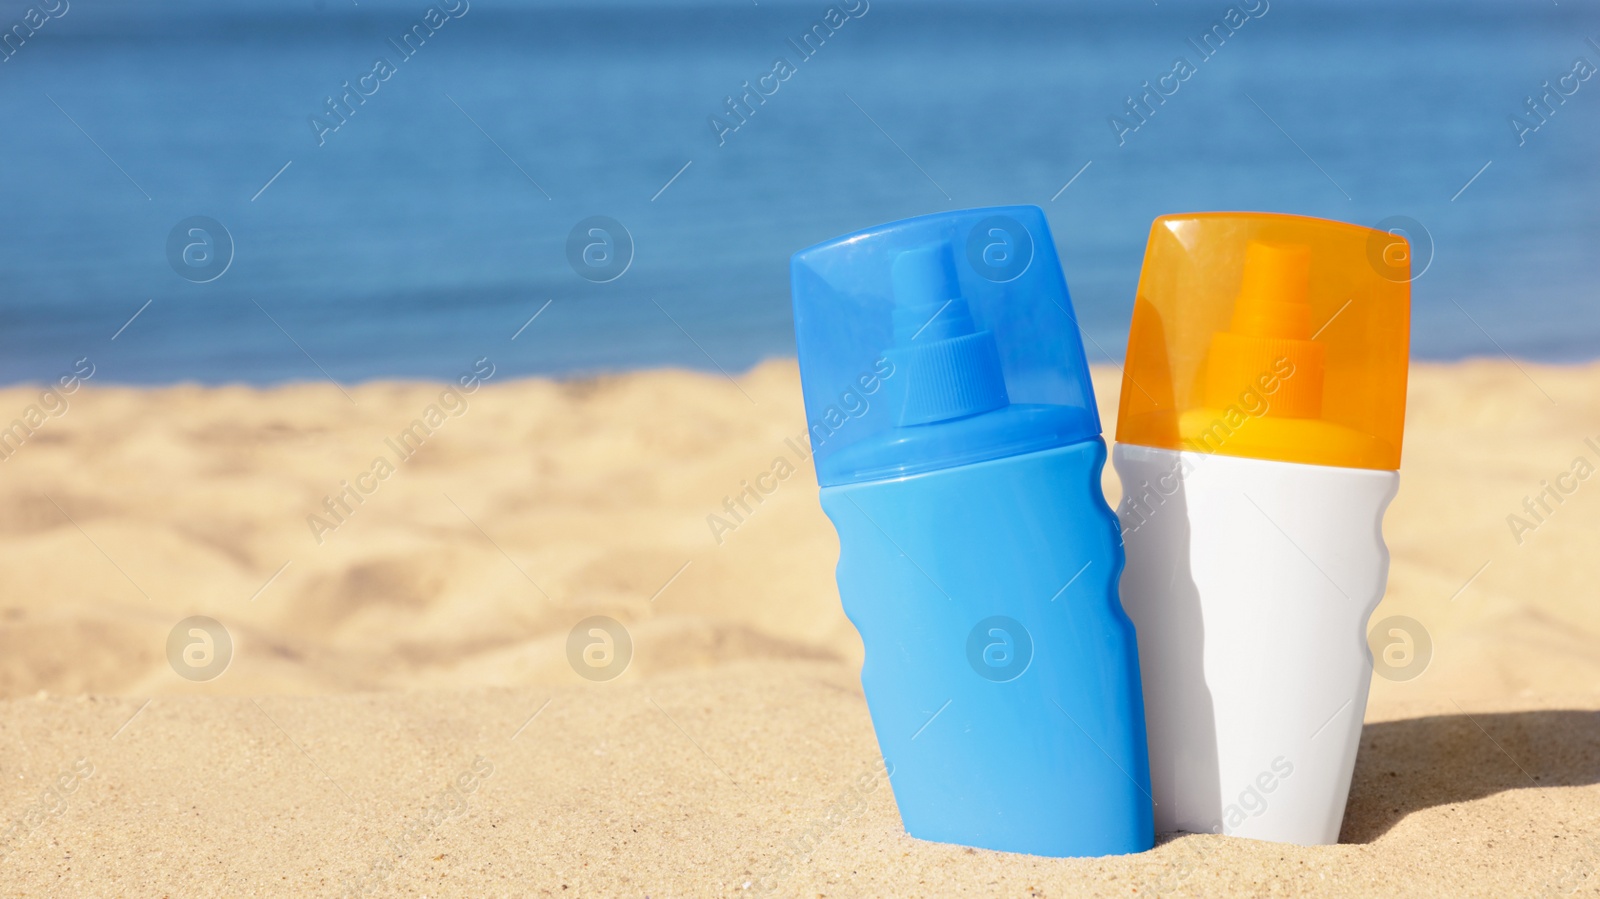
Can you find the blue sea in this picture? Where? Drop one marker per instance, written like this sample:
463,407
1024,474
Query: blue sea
192,192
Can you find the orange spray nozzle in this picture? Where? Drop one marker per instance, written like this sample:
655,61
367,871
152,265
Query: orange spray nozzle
1270,335
1273,292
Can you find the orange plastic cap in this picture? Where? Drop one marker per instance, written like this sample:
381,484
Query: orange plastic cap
1270,336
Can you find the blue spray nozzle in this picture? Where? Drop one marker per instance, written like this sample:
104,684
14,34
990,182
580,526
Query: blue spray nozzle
949,368
927,296
938,341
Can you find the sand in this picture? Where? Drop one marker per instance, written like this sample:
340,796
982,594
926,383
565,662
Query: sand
399,715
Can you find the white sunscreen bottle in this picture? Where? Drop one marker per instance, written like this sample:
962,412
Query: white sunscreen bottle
1258,443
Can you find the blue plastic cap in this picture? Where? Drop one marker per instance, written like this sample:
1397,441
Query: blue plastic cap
938,341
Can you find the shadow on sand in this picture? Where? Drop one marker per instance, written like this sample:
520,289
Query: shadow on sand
1417,763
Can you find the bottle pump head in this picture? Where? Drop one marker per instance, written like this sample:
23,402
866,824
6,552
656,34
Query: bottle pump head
1271,321
1269,336
938,341
948,368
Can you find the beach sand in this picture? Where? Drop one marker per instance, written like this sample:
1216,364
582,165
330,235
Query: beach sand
400,716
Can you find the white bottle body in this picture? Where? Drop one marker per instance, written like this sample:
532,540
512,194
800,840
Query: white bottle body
1250,583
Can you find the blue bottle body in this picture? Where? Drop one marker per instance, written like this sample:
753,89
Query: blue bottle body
958,448
1001,672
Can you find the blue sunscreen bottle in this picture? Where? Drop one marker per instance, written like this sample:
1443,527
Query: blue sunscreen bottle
958,448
